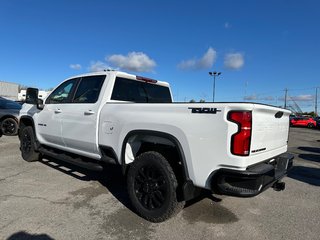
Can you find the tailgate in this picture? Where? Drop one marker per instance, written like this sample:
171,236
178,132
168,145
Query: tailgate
270,129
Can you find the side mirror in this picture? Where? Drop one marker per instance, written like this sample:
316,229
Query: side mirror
40,104
32,97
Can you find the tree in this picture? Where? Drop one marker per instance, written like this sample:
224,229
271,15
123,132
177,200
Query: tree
23,87
312,114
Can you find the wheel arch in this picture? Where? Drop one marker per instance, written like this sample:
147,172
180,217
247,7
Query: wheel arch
187,190
155,137
26,121
8,116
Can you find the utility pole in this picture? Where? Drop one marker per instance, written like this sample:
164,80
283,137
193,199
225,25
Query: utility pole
285,98
214,74
245,90
316,103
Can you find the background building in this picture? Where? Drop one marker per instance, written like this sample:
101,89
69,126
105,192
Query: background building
42,95
9,90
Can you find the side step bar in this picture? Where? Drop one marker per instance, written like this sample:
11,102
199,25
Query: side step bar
73,160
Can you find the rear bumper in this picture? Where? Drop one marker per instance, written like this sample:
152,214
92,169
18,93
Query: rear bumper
252,181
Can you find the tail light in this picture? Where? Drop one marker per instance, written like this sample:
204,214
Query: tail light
148,80
240,141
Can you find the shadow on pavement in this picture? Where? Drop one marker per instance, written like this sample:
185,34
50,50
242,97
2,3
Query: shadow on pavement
310,149
306,174
111,177
310,157
26,236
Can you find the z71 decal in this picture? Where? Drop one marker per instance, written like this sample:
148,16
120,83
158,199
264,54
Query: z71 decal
205,110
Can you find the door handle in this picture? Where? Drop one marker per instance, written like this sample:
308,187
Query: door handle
89,112
58,110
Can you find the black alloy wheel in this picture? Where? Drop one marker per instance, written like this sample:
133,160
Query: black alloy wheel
9,127
27,144
152,187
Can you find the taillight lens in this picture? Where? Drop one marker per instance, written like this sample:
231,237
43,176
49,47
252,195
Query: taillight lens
240,141
148,80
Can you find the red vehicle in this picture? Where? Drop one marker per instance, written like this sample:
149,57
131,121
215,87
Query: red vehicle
303,122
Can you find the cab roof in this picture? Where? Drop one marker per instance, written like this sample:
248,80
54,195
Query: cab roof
123,75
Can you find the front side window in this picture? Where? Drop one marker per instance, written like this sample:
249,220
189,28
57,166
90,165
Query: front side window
62,94
89,89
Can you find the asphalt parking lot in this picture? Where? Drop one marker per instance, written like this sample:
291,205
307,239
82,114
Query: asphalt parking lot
53,200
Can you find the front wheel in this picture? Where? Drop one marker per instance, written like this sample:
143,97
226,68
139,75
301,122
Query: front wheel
9,127
152,187
27,145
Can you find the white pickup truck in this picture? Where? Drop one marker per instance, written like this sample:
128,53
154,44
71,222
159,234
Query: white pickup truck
167,151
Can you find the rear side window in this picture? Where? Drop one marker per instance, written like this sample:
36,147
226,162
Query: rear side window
139,92
89,89
62,93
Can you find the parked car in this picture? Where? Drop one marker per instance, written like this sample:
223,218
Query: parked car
303,122
9,113
317,119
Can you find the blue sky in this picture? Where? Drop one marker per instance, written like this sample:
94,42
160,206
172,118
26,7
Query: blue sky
261,47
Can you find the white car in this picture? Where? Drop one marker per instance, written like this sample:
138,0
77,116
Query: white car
167,150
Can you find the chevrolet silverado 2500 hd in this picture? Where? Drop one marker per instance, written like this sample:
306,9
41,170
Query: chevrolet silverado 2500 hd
167,150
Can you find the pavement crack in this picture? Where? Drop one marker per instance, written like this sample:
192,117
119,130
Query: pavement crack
14,175
33,198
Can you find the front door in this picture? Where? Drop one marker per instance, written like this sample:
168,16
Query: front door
49,127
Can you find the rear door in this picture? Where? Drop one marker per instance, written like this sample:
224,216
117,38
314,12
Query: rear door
79,118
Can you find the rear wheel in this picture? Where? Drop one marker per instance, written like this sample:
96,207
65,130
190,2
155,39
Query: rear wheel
9,127
152,187
310,125
27,144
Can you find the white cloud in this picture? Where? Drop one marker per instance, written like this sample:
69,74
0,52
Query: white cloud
134,61
302,98
227,25
96,66
268,98
250,98
75,66
234,61
255,97
205,62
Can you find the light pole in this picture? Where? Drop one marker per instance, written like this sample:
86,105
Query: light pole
214,74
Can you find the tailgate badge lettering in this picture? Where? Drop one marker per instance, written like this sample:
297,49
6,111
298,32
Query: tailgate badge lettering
205,110
258,150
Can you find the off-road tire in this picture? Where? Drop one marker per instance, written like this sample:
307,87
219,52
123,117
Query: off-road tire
27,144
152,187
